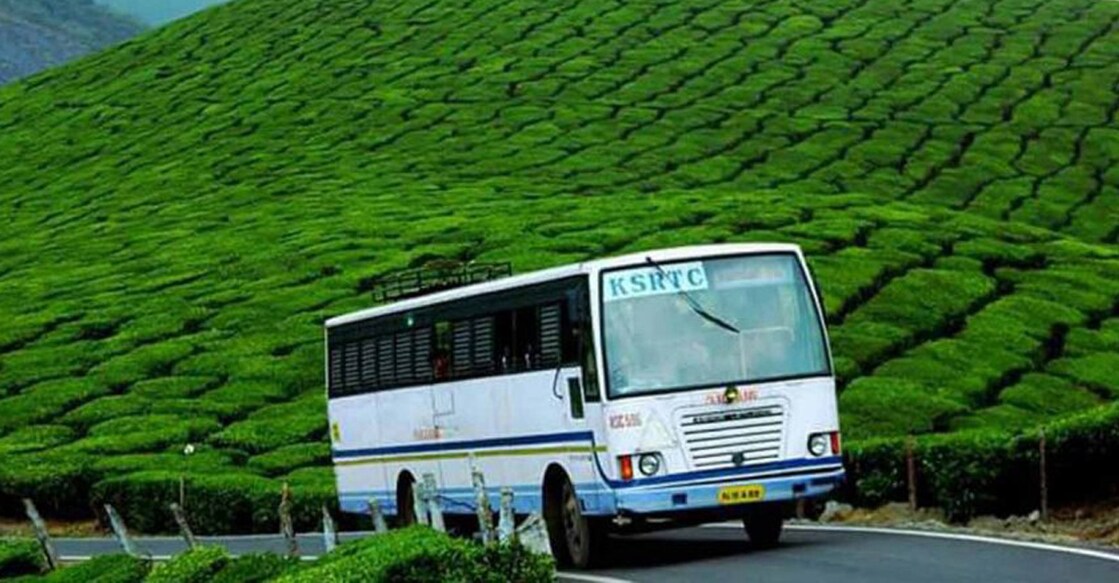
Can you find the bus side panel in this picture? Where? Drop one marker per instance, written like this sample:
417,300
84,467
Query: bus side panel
525,424
353,426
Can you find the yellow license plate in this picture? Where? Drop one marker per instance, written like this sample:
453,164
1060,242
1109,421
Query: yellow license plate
741,494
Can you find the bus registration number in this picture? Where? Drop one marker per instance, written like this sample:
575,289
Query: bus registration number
741,494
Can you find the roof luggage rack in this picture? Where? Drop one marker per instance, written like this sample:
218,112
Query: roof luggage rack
435,276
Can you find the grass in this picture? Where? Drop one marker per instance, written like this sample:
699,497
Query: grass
186,209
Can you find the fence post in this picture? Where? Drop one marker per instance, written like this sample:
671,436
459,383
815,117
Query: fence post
329,531
434,506
287,527
121,531
379,525
184,527
911,473
533,535
1044,477
182,491
419,503
506,523
482,507
41,534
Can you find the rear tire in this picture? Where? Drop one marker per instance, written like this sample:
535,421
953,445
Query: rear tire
763,525
405,502
576,540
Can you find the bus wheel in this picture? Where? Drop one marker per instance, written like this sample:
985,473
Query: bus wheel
763,525
405,502
576,540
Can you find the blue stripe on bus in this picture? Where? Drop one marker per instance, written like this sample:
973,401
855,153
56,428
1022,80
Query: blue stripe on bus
741,472
471,444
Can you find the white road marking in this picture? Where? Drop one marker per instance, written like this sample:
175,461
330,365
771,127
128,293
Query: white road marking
946,535
590,578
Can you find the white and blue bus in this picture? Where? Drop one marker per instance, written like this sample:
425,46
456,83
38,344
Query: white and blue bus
658,389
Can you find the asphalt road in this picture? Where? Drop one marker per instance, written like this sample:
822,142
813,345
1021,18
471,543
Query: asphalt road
720,553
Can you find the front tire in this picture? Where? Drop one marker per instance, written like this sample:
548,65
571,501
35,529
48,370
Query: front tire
576,539
763,525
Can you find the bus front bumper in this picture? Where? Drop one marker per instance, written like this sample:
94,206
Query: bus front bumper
726,493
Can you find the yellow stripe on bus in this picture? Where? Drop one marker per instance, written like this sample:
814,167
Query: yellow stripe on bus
464,454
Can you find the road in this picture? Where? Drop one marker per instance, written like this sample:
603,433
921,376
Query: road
720,553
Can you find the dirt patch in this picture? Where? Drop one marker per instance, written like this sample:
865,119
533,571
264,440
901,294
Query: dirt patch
1096,523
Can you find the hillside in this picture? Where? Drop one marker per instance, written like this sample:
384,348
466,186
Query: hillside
186,209
37,34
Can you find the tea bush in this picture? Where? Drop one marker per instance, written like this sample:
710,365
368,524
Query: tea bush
20,557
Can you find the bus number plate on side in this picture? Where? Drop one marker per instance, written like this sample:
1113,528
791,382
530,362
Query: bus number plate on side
741,494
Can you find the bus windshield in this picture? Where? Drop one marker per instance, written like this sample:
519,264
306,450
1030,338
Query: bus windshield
713,322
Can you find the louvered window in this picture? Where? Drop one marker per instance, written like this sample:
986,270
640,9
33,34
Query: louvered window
551,338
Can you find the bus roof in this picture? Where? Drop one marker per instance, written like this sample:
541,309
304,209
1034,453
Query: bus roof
546,275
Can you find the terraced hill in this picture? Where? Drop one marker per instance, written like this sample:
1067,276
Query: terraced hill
184,211
36,34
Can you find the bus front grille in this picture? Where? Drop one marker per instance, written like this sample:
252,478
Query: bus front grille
726,438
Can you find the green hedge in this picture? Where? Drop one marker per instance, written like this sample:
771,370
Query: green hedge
419,554
103,569
57,482
20,557
231,503
196,566
256,568
989,471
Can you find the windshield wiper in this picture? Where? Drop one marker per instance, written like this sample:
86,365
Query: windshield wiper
693,303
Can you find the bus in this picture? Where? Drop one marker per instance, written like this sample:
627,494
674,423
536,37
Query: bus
659,389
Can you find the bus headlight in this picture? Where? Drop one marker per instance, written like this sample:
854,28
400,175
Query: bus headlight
649,464
818,444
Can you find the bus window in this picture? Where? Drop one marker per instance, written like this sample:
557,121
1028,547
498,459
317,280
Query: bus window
552,340
369,364
441,358
526,341
503,331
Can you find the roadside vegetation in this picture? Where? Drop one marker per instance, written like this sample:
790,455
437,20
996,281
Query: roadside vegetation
185,210
416,554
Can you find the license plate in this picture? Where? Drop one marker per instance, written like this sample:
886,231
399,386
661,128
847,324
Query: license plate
741,494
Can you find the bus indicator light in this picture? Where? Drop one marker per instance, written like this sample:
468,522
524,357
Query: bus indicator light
625,464
835,443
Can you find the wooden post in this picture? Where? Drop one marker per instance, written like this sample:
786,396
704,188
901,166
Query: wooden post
121,531
1044,477
287,527
911,472
182,491
482,507
434,507
329,531
41,534
419,503
506,523
379,524
800,509
533,535
184,527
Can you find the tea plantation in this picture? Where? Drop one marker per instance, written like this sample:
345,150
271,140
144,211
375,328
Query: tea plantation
182,212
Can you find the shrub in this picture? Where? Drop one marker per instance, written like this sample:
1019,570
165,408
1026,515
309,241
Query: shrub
20,557
216,504
875,406
103,569
292,457
172,387
35,437
256,568
199,565
419,554
46,401
58,482
276,426
993,471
